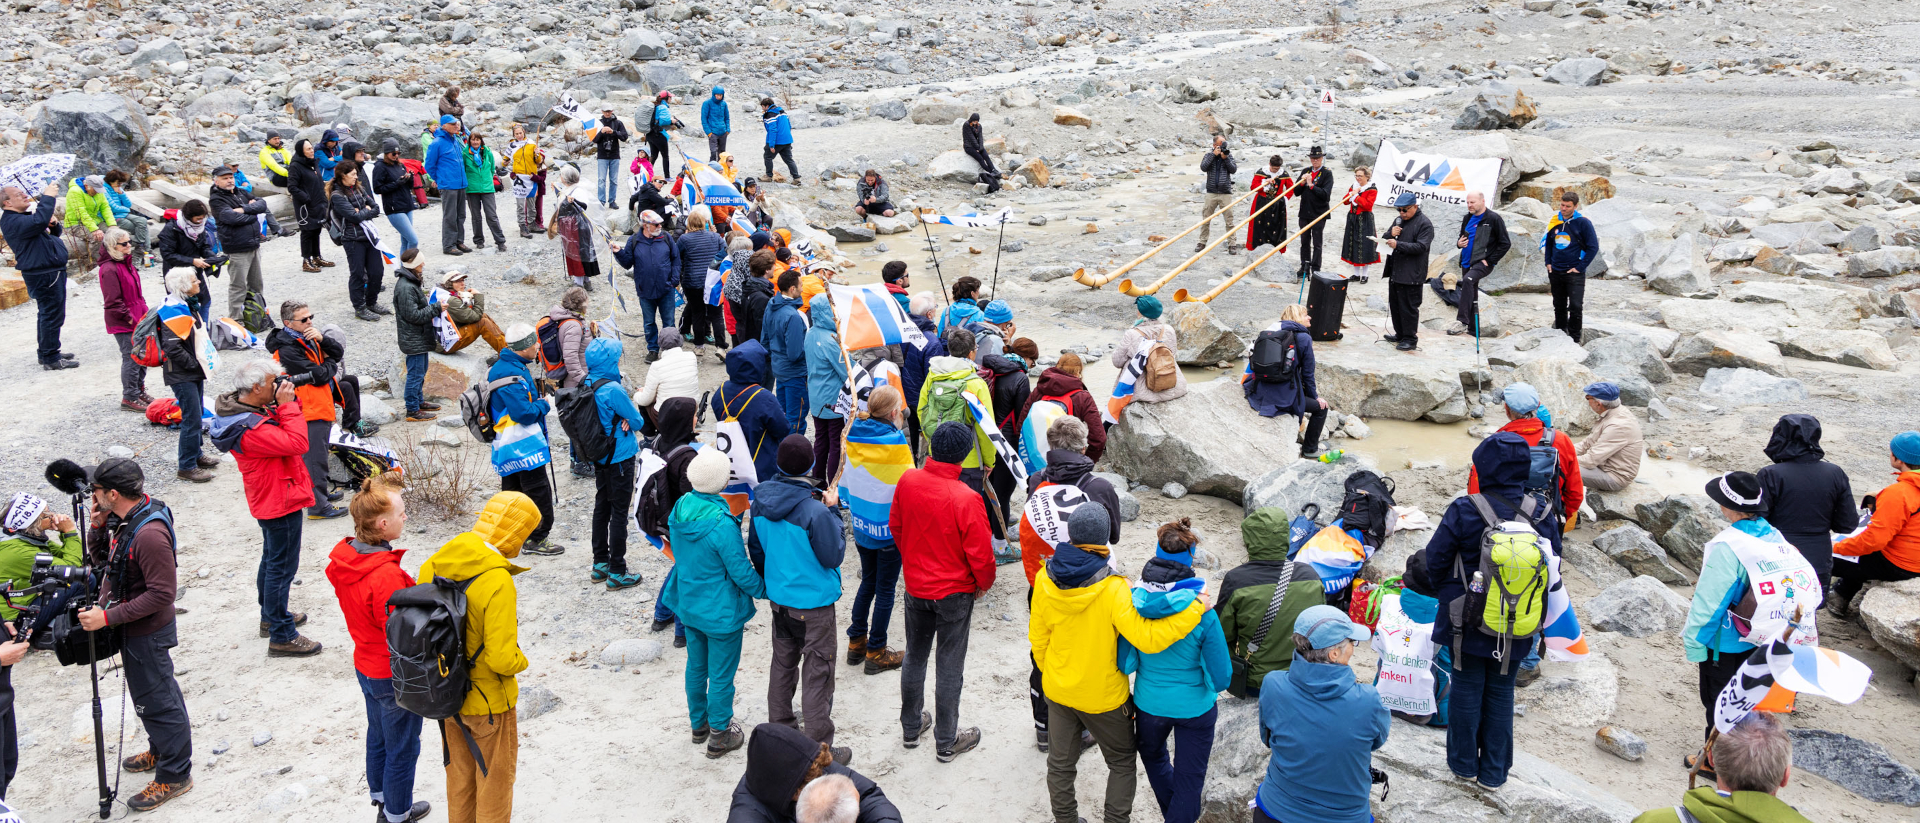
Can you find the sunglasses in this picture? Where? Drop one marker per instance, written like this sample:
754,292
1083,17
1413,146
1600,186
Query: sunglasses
307,319
125,244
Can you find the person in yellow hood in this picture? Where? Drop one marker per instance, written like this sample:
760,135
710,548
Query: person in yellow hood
1080,610
493,639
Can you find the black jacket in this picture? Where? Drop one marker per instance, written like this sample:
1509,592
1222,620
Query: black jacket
973,139
1010,389
394,184
606,141
1219,172
777,761
308,192
1806,497
414,316
350,208
295,355
1072,468
35,239
180,365
177,249
649,198
1490,242
238,232
1407,265
1315,190
754,294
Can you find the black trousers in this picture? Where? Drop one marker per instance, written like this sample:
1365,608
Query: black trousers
1569,296
1316,422
1467,310
786,153
49,292
537,484
1714,675
657,154
1310,258
976,479
1403,305
364,270
701,324
310,243
9,737
156,700
612,506
1849,577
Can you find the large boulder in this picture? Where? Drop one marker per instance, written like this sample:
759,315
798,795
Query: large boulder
1294,485
228,101
1533,344
1497,106
1684,272
1425,790
1578,71
1885,262
377,118
320,108
1627,354
1560,384
1595,565
1194,90
1641,607
1783,234
1379,382
954,166
1209,441
1524,269
1714,348
641,44
1891,614
937,110
1682,524
1632,547
1622,230
1548,187
1861,767
102,131
1746,387
1826,307
1204,340
1850,347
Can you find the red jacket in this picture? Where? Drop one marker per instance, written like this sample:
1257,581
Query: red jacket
1055,384
941,530
363,582
270,457
1572,492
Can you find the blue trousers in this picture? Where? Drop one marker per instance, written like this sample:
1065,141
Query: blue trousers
879,574
416,381
188,395
712,660
793,401
609,183
403,223
393,747
660,610
1176,783
279,561
1480,725
652,309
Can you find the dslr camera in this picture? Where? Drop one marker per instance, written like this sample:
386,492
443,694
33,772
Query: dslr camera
297,380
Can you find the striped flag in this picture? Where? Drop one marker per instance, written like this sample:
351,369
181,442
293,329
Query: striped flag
1123,388
875,462
1560,631
863,379
1006,452
1033,433
373,237
717,277
710,187
869,317
971,220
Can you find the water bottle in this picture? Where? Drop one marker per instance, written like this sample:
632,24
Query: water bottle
1332,456
1479,584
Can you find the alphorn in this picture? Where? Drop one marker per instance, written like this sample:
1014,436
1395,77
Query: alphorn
1127,288
1097,280
1182,296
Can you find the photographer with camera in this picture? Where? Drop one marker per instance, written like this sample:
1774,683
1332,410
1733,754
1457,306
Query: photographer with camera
1322,726
312,362
131,536
27,522
260,423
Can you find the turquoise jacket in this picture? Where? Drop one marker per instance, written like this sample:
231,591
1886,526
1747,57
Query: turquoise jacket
712,587
1182,681
1709,632
826,368
603,363
796,542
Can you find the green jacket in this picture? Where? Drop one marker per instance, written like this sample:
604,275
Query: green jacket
90,210
940,402
1247,589
16,562
482,165
1708,805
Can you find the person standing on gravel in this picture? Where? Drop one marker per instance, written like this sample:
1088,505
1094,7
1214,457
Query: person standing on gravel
416,336
445,163
797,543
779,138
483,169
34,236
1174,690
659,122
309,194
717,122
1321,726
1219,167
607,138
711,594
300,348
1571,245
353,207
1406,271
521,450
394,184
1315,190
653,259
700,248
1808,499
784,333
1483,241
124,306
238,213
183,371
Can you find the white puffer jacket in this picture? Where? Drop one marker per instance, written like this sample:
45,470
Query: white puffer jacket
675,374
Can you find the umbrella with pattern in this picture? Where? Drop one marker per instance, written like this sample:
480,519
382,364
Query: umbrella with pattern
36,172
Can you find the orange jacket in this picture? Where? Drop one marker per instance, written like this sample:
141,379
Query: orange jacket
1894,531
1572,493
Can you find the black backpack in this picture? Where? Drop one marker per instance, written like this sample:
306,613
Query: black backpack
1368,506
580,419
427,644
1276,356
651,511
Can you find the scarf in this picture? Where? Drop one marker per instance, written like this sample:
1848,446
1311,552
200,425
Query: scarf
193,231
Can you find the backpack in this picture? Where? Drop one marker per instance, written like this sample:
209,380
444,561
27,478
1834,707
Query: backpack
1543,470
652,510
945,403
163,411
253,314
476,407
1368,506
580,419
1163,369
1302,528
146,340
427,643
1276,356
1511,603
417,171
551,359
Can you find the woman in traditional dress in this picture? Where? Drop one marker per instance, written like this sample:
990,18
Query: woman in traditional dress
1357,248
1270,227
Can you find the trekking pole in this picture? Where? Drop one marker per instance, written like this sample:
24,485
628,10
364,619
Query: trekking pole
996,253
935,254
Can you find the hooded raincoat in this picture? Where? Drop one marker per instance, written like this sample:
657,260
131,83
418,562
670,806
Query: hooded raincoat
778,759
1807,498
784,333
796,542
1323,729
826,363
1248,588
1500,463
748,397
493,628
603,363
363,581
1184,679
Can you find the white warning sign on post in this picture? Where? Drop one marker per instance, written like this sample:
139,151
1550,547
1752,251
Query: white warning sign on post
1326,100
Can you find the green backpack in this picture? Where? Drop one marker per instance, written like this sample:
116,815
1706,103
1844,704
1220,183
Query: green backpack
945,402
1512,601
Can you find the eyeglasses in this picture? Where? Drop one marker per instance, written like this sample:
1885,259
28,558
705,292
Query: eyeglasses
307,319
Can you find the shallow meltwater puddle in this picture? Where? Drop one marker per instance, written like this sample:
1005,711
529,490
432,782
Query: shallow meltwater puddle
1674,476
1398,444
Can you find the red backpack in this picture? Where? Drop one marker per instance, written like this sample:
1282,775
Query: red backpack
418,170
146,342
163,411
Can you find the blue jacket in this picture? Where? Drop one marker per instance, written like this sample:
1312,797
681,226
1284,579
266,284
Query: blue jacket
1709,633
913,373
779,128
714,117
446,162
327,160
748,397
662,118
785,335
796,543
1501,464
122,205
1323,729
712,587
517,401
959,315
1182,681
1572,244
1271,399
35,238
826,371
603,363
654,263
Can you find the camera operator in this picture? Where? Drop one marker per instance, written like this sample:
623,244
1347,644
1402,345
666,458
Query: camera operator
313,360
131,535
28,520
11,652
260,423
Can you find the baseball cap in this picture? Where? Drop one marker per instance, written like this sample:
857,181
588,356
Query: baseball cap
1405,199
118,474
1323,626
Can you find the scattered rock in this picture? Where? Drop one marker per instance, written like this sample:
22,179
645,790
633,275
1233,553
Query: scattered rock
1578,71
954,166
630,651
535,701
641,44
103,131
1548,187
1682,523
1627,353
285,798
1579,693
1634,548
1173,491
1864,768
1746,387
1560,384
1177,441
1714,348
1203,339
1620,743
1018,98
1885,262
888,110
1300,482
937,110
1378,382
1045,274
1194,90
375,119
851,233
1069,116
376,411
1683,272
1497,106
1891,614
1854,347
1641,607
262,737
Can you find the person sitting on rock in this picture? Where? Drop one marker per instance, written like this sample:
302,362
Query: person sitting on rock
1248,588
1889,548
1149,329
1610,456
468,311
875,197
1755,760
1299,395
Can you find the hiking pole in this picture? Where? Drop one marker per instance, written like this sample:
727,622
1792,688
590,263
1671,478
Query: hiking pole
935,254
996,253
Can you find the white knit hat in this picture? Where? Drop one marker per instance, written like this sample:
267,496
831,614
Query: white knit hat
709,471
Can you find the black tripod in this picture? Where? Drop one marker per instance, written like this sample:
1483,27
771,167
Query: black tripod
107,793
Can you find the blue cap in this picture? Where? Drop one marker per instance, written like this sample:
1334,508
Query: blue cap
1906,447
1324,626
1148,306
1603,391
999,312
448,118
1521,398
1405,199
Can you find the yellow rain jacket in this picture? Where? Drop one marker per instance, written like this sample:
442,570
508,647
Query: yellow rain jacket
493,628
1075,635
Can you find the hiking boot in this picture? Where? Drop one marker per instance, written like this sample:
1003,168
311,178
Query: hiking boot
56,365
841,754
142,762
420,416
145,398
882,659
419,810
378,309
599,572
308,265
700,735
207,462
134,406
1390,338
911,739
501,247
428,405
1458,328
1526,677
301,646
653,356
662,625
366,315
582,470
543,548
1200,246
326,512
856,650
157,793
336,495
323,262
679,641
724,741
1087,743
194,475
967,740
452,250
464,248
1040,739
299,619
1233,249
622,580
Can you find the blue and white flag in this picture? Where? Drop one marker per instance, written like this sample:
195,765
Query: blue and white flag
971,220
716,277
